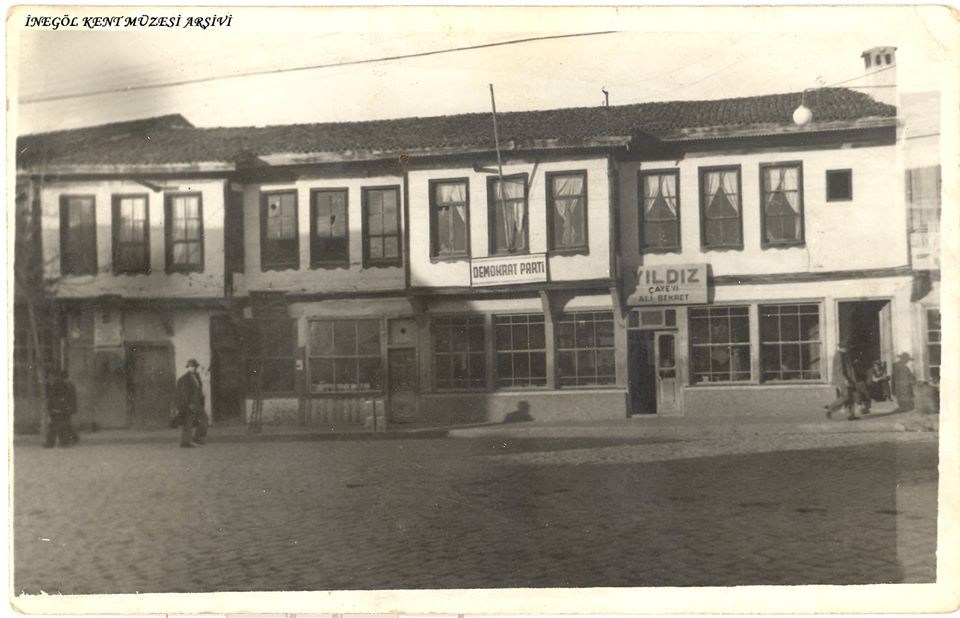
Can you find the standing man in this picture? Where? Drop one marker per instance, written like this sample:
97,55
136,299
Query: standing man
189,401
845,381
61,405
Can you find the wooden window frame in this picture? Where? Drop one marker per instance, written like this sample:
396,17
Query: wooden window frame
641,219
580,380
364,204
379,388
168,233
293,264
693,346
492,214
435,224
315,260
253,361
66,263
799,342
446,355
546,350
801,239
116,219
702,172
552,248
849,172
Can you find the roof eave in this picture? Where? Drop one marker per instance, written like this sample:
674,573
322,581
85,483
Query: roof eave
761,130
128,168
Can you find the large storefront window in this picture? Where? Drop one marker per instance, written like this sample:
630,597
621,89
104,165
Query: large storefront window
720,344
585,349
933,345
521,350
270,354
458,353
790,342
344,355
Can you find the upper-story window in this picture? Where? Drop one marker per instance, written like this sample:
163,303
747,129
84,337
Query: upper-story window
660,200
781,187
507,218
721,214
131,234
329,242
78,235
184,233
449,218
839,185
381,227
279,236
567,211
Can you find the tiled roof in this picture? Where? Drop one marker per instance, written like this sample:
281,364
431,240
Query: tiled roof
171,139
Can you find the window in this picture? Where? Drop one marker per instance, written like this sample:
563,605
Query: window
329,242
131,234
279,236
381,227
933,345
520,342
790,342
78,235
721,225
344,355
585,355
720,344
923,198
449,219
839,185
270,354
508,214
458,352
567,211
660,223
781,195
184,217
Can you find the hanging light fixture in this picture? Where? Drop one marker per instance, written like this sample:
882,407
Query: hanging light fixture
802,115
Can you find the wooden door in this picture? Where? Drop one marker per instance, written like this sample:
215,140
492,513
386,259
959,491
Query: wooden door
150,384
667,385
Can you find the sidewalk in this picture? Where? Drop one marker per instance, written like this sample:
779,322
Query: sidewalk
882,420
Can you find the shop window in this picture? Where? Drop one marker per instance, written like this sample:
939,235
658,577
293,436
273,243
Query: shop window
585,349
78,235
131,234
781,195
790,345
329,244
449,219
520,342
381,227
721,215
719,344
279,236
459,359
345,356
507,216
933,345
271,345
839,185
567,211
660,199
184,233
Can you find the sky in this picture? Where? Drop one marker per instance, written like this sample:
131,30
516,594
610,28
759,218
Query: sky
645,54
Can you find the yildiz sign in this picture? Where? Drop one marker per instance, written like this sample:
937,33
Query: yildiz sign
508,269
674,284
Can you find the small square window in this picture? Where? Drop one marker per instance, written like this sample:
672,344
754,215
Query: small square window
839,185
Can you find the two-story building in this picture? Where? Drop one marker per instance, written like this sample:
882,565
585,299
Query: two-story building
691,257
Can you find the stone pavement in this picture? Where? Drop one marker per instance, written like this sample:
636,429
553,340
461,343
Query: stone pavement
480,512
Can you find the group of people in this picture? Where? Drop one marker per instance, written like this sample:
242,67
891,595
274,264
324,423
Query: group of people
856,390
188,400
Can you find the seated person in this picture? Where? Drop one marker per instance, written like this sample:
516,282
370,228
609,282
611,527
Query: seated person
878,383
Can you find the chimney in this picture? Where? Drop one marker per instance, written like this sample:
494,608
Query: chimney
880,74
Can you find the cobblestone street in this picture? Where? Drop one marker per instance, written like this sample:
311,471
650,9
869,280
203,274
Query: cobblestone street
476,513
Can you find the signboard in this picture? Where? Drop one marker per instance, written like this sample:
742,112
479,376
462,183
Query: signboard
925,250
107,328
508,269
673,284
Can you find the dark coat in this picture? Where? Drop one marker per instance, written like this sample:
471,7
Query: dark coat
843,371
189,394
61,397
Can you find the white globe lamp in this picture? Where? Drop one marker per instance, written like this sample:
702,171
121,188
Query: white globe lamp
802,115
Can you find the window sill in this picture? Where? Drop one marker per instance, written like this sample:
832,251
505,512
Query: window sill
660,250
722,248
330,266
183,271
343,394
131,272
279,267
443,259
783,245
568,252
839,199
753,384
383,265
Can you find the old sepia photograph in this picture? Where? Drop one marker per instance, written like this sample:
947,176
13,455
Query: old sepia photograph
482,309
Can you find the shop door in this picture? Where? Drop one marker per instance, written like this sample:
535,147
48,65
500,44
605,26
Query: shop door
227,377
666,371
150,385
402,370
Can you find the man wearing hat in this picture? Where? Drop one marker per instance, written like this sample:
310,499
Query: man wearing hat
189,402
845,380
